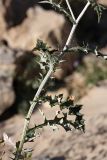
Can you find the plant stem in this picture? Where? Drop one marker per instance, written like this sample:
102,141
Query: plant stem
70,9
34,102
74,27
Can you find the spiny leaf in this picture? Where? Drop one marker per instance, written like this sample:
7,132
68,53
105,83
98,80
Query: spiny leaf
98,8
41,46
86,50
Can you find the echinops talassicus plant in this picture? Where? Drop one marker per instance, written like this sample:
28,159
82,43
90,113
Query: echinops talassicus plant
48,60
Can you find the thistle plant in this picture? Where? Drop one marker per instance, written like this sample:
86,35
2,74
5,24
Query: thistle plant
48,60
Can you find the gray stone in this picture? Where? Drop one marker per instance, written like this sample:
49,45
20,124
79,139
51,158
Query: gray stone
7,70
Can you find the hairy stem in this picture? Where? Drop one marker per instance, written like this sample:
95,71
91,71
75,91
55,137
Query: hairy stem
34,102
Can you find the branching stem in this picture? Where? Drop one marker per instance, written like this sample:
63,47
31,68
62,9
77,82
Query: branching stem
34,102
70,9
74,27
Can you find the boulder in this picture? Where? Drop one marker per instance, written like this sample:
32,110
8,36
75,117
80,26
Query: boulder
14,65
37,25
7,70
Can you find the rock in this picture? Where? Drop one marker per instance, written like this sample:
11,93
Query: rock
92,71
37,25
15,11
103,2
14,65
95,100
76,85
2,20
7,70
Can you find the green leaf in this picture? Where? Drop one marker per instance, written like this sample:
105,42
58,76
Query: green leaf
98,8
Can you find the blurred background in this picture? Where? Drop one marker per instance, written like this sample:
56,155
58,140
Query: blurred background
85,77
